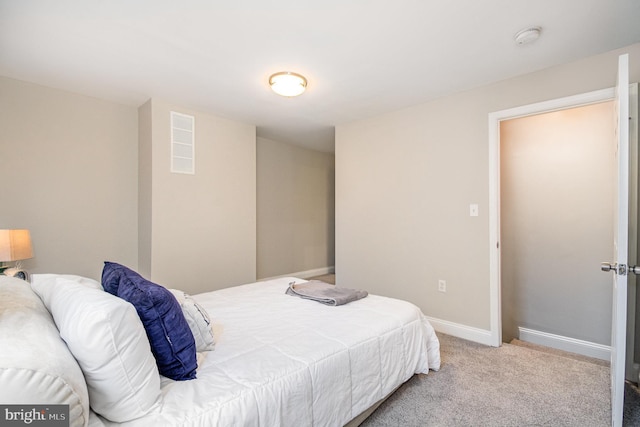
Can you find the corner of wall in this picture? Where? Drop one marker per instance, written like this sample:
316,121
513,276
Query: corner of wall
144,188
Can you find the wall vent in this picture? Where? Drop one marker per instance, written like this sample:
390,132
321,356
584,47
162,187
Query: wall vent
183,156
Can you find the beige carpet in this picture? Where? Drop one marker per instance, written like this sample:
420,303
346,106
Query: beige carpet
508,386
327,278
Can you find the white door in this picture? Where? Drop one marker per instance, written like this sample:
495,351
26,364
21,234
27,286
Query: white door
620,261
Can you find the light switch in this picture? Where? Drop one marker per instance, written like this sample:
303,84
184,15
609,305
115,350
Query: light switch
473,209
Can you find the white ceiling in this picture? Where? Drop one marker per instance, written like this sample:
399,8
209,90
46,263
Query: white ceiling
361,57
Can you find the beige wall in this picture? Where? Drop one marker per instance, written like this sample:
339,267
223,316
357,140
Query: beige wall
404,182
69,174
557,175
295,209
73,177
202,226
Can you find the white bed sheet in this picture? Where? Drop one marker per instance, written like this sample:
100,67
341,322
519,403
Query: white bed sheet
280,360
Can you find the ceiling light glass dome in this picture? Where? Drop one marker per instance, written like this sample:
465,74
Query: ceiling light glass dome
288,84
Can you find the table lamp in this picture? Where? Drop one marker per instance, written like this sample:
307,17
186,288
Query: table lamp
15,245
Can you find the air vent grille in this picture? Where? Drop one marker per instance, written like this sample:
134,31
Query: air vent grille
183,157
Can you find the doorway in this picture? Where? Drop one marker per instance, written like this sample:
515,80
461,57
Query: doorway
494,188
600,96
556,219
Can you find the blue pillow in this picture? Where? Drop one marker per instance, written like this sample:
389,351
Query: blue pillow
171,340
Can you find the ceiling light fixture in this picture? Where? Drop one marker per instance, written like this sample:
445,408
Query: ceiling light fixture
528,35
288,84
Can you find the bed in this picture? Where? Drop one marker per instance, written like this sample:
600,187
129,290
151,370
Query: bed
279,360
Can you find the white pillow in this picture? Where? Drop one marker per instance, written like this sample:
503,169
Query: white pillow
198,320
51,278
36,366
107,338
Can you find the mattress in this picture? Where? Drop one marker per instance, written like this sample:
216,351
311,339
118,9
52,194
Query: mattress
281,360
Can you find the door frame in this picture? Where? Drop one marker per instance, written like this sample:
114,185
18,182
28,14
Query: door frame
632,365
495,290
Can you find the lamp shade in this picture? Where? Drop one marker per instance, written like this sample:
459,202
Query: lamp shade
15,245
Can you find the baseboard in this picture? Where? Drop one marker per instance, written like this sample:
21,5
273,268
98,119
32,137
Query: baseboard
481,336
560,342
305,274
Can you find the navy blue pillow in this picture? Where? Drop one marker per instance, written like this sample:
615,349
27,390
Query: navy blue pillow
171,340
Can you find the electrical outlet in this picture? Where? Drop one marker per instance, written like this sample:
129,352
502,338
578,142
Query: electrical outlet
442,286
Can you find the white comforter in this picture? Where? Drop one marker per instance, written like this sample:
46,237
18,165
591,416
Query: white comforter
285,361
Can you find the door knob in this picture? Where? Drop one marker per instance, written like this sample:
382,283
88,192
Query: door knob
622,269
606,266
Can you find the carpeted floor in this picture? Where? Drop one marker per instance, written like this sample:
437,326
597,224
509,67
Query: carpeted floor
327,278
507,386
631,405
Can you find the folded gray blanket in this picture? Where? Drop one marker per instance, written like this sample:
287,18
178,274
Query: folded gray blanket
325,293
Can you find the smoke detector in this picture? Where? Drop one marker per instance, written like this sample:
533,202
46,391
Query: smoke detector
527,35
